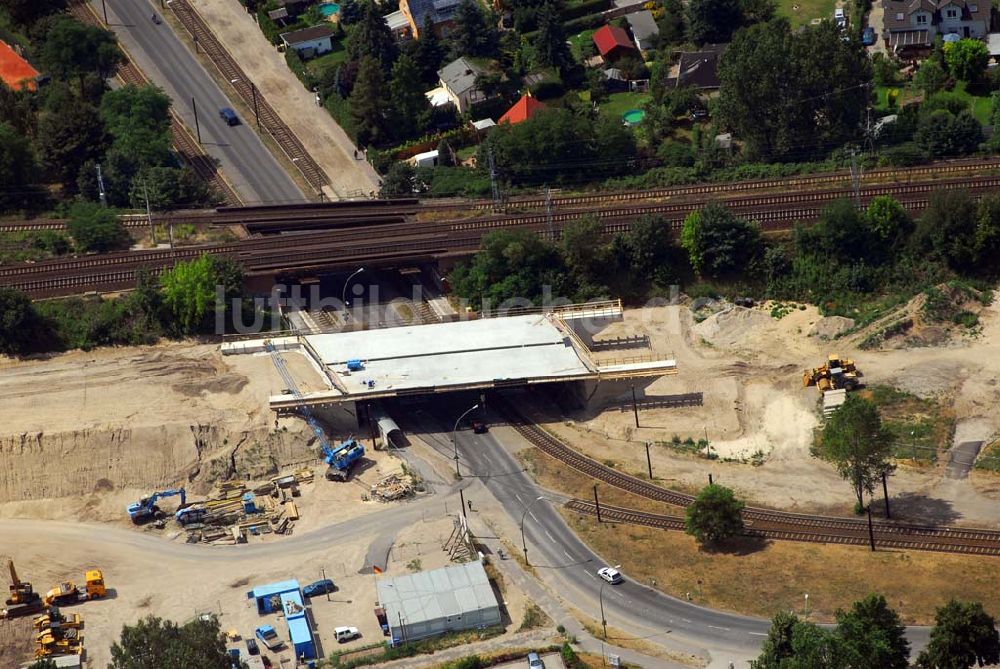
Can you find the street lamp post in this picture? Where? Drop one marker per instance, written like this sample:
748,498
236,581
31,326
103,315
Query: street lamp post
343,293
524,544
604,622
253,94
454,436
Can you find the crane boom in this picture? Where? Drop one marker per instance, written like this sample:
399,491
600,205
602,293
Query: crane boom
14,580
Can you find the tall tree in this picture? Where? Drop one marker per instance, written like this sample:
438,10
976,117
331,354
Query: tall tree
550,43
964,636
790,95
718,243
586,255
947,228
671,25
17,168
138,120
930,77
715,515
153,642
18,321
857,444
713,20
411,110
941,133
73,49
474,33
27,12
873,635
68,138
987,236
190,291
888,220
966,58
372,38
368,104
430,52
792,643
96,228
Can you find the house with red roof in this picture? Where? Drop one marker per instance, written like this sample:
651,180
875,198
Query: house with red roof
612,42
522,110
15,71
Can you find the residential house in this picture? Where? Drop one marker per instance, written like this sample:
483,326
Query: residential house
418,13
288,10
612,42
310,42
457,85
644,29
522,110
15,71
699,69
912,25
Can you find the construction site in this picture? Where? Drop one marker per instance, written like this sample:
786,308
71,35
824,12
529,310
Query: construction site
181,449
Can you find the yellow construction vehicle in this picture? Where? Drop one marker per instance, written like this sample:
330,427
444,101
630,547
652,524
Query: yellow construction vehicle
67,592
52,646
23,599
837,373
54,620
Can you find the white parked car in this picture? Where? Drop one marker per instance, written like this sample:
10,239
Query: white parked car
840,17
345,634
610,574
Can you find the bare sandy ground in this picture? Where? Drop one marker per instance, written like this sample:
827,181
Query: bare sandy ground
748,366
325,141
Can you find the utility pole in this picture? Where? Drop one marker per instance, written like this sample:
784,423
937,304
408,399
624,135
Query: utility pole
100,187
256,112
635,408
494,186
548,212
885,492
104,7
461,496
197,126
649,463
871,530
149,214
597,504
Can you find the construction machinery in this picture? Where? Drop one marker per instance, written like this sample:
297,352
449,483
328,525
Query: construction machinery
145,509
68,593
23,599
56,620
341,458
837,374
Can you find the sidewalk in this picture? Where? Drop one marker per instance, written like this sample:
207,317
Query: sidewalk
325,141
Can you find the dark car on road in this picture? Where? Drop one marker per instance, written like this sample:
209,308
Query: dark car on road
252,647
868,36
319,588
479,427
229,116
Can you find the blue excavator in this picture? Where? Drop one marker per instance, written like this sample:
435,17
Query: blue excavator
340,458
145,509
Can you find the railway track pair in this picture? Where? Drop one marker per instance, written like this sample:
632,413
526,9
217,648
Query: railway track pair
765,523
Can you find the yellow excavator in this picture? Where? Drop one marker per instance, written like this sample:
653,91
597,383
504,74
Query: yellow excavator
55,620
23,600
836,374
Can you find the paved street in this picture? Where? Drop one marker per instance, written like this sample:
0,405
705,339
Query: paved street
166,61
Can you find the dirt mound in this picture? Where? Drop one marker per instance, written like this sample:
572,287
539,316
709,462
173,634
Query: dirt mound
831,327
933,318
732,326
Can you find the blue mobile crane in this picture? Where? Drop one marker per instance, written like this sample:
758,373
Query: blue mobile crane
146,509
340,458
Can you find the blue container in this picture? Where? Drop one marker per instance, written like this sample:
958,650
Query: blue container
354,365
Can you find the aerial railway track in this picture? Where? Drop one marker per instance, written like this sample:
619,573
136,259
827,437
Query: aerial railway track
346,237
766,523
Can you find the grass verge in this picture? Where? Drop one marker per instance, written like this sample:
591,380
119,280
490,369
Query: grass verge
922,427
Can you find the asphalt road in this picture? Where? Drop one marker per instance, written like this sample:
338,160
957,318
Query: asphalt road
166,61
570,566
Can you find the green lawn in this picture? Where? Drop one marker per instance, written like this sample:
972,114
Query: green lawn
579,41
619,103
335,57
800,12
981,106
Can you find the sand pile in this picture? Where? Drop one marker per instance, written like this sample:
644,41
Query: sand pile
737,325
831,327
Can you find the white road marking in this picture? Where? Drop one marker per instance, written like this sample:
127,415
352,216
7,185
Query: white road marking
716,627
685,620
532,514
518,498
590,575
551,538
757,633
567,555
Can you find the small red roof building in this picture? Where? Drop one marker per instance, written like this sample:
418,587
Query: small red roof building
522,110
612,42
15,71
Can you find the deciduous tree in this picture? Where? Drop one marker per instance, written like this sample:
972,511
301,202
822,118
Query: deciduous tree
511,265
713,20
474,34
857,445
17,168
371,37
96,228
966,58
964,636
68,138
718,243
138,120
873,635
930,77
715,515
411,110
947,228
73,49
888,220
369,104
190,291
153,642
18,321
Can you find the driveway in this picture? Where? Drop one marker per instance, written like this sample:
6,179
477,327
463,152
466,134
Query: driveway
325,141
